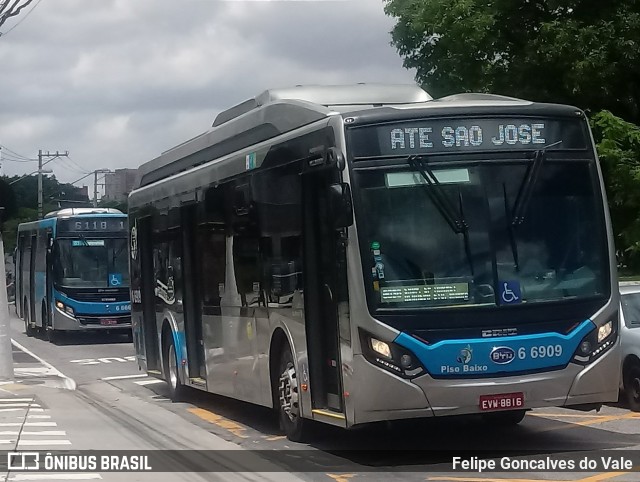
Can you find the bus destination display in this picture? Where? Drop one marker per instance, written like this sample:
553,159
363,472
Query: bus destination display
463,134
97,224
428,293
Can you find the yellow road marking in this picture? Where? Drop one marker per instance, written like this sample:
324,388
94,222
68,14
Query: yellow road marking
568,415
341,477
593,421
233,427
591,478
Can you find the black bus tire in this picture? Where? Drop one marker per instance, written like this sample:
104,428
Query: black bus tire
29,331
177,391
287,397
52,335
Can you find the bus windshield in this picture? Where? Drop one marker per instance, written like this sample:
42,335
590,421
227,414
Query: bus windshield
455,241
91,263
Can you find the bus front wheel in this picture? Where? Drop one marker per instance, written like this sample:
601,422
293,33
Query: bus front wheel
171,372
28,329
288,398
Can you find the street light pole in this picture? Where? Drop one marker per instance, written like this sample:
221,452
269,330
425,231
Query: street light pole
6,356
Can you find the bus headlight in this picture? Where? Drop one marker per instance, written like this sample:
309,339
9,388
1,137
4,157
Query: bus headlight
381,348
390,356
597,342
64,308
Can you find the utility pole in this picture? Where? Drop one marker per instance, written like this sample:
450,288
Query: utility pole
6,355
52,156
95,184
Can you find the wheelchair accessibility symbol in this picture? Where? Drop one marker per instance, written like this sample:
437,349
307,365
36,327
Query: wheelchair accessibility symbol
115,279
510,292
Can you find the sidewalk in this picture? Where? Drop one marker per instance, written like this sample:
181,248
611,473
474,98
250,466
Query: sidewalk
29,369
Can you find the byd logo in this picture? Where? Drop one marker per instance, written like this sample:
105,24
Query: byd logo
502,355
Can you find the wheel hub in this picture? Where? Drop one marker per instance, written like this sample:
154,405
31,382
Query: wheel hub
288,392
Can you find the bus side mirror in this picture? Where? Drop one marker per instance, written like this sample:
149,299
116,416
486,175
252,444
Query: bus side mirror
340,205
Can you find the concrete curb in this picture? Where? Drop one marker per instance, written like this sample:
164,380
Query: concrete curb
68,383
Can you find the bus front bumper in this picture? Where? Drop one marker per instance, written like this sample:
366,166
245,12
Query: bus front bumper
64,322
426,396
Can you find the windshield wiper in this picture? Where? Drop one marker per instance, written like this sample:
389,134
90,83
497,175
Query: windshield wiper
528,184
511,230
434,189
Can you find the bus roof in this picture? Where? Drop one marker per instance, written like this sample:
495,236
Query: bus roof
277,111
272,113
81,211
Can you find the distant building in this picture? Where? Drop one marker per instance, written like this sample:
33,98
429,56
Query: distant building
118,184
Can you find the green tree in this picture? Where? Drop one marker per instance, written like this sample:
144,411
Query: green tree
619,150
581,52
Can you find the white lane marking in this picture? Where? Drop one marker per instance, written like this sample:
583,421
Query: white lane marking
123,377
21,404
107,359
53,433
55,476
2,400
28,424
12,409
69,383
43,442
149,382
39,416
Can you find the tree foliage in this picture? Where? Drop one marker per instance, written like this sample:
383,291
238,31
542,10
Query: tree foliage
581,52
619,151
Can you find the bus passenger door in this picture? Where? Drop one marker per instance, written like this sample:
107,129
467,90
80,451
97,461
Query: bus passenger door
48,281
32,279
149,324
192,313
322,291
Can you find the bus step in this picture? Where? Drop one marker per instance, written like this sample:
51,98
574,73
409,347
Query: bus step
198,381
328,413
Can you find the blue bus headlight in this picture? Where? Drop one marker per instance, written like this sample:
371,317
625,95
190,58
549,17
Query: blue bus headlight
597,342
390,356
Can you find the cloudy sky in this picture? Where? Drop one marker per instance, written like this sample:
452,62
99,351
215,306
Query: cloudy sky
116,82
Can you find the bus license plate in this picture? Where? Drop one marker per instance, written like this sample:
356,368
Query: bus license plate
502,401
108,322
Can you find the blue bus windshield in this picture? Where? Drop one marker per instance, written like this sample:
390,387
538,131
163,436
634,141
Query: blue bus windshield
91,263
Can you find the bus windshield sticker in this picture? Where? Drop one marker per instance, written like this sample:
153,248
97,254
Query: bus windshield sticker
432,293
250,161
443,176
510,292
87,242
115,279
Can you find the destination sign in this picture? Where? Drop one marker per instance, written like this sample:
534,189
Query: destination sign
92,224
467,135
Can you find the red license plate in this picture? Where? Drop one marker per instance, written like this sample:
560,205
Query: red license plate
108,322
502,401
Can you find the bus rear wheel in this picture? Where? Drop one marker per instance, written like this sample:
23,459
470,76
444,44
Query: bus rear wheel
171,372
27,322
288,398
505,419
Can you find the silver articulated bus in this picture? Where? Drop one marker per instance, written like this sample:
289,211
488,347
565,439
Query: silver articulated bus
352,254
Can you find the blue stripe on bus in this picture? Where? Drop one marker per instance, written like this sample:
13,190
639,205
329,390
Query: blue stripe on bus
492,356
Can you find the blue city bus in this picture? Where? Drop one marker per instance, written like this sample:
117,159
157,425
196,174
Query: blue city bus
72,272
